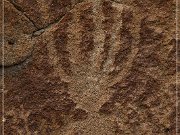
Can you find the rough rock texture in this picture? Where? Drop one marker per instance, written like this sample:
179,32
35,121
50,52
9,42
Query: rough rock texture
178,62
1,31
84,67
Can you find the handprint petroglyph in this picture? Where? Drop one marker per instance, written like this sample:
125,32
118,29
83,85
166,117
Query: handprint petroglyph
83,50
86,48
97,70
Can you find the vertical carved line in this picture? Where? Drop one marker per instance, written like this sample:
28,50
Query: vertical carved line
74,34
59,56
61,41
114,41
87,39
99,35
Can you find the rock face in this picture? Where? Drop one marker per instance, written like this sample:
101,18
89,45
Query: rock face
85,67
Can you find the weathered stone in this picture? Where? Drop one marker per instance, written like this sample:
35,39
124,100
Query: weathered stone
102,67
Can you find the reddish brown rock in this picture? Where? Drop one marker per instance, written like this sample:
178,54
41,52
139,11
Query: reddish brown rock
90,67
